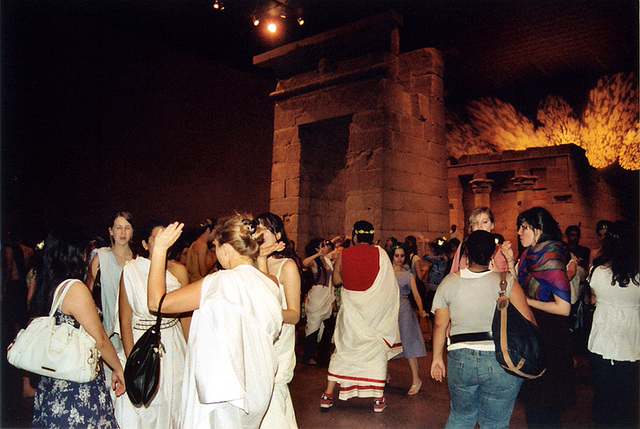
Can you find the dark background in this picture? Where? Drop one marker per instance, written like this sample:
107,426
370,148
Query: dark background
155,107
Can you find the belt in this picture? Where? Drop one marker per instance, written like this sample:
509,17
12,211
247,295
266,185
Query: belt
474,336
143,325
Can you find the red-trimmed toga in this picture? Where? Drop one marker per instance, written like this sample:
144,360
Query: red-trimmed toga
366,333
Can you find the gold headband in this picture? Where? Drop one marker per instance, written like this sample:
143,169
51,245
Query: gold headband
360,232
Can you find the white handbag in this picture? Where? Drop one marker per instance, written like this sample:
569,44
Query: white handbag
59,351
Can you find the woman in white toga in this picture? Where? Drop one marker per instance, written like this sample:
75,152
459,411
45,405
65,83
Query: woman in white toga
135,319
231,360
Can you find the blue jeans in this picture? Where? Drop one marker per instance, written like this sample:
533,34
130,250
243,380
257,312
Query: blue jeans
481,391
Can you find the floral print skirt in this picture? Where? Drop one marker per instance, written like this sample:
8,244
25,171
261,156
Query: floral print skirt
67,404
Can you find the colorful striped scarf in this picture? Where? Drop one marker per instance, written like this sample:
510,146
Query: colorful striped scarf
542,272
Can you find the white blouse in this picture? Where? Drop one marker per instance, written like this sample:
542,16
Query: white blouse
615,332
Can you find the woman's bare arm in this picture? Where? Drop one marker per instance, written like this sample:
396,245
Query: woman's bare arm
417,297
180,272
79,304
126,319
92,272
558,306
290,279
519,301
438,368
186,298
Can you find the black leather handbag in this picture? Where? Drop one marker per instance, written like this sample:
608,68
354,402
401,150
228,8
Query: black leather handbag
142,370
520,347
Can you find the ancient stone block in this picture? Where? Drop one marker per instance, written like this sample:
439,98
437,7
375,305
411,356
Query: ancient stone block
364,180
370,119
361,140
291,187
277,189
285,205
285,170
284,154
286,137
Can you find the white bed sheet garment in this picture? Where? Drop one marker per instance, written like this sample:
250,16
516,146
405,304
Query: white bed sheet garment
110,273
231,359
365,334
162,412
280,414
318,305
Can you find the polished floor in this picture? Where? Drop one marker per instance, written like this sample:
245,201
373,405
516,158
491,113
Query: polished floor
428,409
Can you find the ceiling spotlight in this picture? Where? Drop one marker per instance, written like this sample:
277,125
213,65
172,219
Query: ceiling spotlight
256,21
300,21
272,27
216,5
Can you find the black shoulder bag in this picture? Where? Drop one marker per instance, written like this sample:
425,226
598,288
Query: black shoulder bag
520,347
142,370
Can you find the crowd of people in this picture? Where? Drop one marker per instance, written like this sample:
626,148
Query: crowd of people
234,296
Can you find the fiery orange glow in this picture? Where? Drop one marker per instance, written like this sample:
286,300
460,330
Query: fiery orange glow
607,129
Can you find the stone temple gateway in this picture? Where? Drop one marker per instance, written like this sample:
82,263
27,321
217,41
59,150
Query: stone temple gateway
358,133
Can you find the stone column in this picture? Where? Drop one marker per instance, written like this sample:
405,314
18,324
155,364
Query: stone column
481,187
524,183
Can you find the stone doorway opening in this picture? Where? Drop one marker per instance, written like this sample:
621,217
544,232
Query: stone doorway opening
323,174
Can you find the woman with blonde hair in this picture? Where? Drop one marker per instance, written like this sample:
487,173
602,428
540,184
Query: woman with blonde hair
231,360
481,218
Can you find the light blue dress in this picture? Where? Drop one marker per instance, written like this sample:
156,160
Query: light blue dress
410,333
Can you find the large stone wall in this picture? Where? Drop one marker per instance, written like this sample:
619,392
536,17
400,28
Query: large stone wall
358,134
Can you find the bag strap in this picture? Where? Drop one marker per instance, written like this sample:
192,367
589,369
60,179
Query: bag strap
59,294
159,318
503,301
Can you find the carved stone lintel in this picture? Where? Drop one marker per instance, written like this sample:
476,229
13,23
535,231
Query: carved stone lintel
481,185
524,182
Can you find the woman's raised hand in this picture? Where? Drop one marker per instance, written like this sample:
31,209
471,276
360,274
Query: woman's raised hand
168,236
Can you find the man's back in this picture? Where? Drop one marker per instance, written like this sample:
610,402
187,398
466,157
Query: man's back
360,266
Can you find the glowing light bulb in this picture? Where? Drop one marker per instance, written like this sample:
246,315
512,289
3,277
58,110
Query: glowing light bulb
300,21
256,21
216,5
272,27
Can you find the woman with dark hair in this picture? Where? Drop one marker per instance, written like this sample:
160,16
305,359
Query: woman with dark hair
542,274
481,390
109,262
614,341
418,268
281,264
200,259
135,319
61,403
410,333
231,361
318,304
